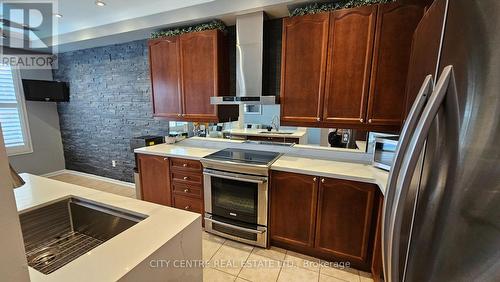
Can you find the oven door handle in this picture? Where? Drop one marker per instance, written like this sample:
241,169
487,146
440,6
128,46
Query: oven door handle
235,227
244,179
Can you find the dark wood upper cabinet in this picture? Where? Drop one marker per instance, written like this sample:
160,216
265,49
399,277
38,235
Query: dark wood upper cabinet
164,69
345,215
349,64
425,50
396,24
367,57
303,67
293,208
155,179
199,74
186,71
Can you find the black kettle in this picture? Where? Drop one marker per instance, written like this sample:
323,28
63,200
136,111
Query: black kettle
335,139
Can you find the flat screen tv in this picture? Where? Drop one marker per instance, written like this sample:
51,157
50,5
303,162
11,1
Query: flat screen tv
44,90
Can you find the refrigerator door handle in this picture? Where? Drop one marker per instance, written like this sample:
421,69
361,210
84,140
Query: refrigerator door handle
406,134
445,84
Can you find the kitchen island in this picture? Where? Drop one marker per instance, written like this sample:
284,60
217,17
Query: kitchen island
165,235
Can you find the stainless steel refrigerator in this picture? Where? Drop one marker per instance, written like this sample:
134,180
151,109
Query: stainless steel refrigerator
442,205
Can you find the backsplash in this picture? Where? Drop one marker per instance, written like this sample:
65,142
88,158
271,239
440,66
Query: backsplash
110,102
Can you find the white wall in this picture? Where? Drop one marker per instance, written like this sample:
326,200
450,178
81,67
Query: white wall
48,155
13,265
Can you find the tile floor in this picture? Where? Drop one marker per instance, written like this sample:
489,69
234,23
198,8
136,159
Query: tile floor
228,260
233,261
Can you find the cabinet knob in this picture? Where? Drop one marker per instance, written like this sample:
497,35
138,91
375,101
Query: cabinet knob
361,120
184,165
187,207
318,119
179,115
185,178
186,190
183,115
370,121
165,159
322,180
314,179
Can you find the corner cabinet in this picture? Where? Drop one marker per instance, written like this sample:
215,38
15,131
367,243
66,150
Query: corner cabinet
347,68
187,70
332,219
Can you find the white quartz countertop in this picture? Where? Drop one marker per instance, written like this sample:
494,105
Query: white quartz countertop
273,133
172,150
318,167
114,258
333,169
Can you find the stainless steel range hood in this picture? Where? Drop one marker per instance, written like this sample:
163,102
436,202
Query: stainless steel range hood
249,49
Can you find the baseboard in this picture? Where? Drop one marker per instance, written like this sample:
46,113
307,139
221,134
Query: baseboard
97,177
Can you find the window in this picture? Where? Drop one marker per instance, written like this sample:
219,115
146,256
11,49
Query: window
13,116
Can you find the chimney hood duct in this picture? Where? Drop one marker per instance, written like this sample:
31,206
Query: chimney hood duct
249,50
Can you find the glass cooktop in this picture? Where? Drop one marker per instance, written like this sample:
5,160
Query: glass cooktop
244,156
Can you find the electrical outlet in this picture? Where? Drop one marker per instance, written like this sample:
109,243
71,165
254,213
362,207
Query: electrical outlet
113,163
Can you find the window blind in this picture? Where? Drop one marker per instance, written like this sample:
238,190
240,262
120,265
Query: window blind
11,118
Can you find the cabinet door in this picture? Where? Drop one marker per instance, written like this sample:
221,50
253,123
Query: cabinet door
155,179
199,59
164,69
396,24
344,220
293,208
304,51
425,50
350,49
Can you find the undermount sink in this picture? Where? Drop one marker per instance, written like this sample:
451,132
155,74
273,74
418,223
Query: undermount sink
57,234
275,132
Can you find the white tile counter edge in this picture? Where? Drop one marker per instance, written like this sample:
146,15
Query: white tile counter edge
116,257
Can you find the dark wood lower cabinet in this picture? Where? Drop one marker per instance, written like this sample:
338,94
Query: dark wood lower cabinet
155,179
293,208
172,182
344,218
328,218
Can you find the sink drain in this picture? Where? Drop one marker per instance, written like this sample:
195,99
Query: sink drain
44,256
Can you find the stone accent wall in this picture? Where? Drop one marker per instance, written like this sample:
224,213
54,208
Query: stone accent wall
110,102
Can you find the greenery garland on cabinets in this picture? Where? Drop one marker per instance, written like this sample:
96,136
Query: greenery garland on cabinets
215,24
331,6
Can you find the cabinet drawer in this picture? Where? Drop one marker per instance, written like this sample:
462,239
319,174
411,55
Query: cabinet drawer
188,204
183,164
187,190
187,178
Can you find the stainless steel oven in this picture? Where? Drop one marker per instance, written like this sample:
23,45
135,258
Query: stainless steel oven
236,194
236,205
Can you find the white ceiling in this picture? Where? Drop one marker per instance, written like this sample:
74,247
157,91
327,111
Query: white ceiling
85,25
83,14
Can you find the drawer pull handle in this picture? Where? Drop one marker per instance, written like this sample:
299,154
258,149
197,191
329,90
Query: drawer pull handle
185,178
165,159
187,207
323,180
186,190
314,179
184,165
